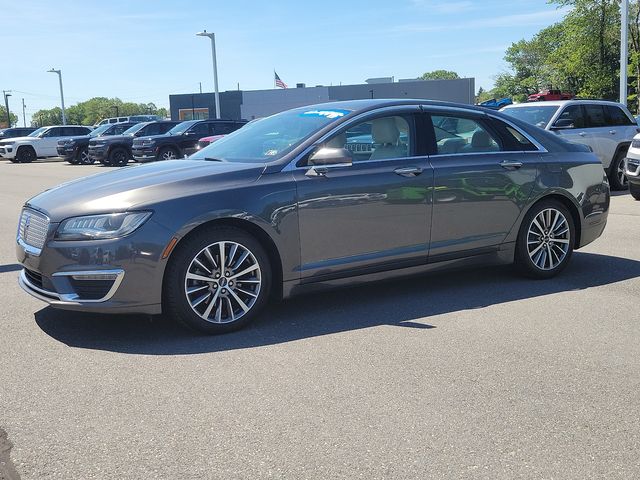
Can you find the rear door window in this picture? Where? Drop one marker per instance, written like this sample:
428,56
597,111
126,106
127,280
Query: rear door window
200,129
460,135
595,116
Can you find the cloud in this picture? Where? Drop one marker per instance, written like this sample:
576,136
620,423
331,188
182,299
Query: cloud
540,18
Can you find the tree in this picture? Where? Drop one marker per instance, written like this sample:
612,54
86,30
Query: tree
439,75
483,95
3,118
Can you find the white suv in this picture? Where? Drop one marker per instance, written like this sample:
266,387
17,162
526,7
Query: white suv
41,143
607,127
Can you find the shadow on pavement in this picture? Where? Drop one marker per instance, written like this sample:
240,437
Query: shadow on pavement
403,303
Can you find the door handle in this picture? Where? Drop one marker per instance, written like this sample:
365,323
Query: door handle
612,132
510,164
408,171
582,134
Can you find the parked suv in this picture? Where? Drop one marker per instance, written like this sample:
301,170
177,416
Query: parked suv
632,167
132,118
40,143
545,95
75,150
180,140
15,132
607,127
116,150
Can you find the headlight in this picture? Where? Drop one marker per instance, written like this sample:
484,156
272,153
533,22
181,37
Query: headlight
148,142
97,227
3,144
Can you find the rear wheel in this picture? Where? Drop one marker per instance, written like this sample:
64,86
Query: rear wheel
545,241
118,157
217,280
168,153
617,178
634,190
26,154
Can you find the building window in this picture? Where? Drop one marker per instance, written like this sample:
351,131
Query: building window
193,114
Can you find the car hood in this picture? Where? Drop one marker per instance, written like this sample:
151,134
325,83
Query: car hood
141,187
17,139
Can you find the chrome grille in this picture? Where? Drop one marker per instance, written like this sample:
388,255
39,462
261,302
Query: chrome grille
32,229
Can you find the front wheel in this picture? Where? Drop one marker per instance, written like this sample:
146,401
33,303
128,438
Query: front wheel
217,280
83,156
617,177
545,241
118,157
168,153
26,154
634,190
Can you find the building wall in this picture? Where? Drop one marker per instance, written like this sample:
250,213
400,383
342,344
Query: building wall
261,103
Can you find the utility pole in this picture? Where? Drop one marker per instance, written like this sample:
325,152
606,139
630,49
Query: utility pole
24,117
6,105
212,37
624,46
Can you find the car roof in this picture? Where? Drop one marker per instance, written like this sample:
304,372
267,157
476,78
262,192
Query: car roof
559,103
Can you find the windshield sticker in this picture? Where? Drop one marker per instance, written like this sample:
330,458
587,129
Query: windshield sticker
331,114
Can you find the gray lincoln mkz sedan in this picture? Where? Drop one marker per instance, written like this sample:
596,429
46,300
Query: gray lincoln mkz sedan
318,196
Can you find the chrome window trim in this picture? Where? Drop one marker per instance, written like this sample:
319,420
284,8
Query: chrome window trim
467,154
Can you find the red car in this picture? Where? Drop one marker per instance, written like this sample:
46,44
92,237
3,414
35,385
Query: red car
203,142
543,95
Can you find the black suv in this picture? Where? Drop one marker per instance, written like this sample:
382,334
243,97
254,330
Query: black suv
180,140
75,150
15,132
116,150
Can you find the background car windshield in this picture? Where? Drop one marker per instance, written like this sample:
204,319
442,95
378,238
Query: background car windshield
271,138
99,130
538,115
134,129
36,133
181,128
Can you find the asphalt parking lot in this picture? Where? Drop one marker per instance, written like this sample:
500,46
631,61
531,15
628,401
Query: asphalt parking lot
475,374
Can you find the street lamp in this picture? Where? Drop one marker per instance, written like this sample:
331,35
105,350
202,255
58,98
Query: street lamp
624,33
212,36
6,105
59,72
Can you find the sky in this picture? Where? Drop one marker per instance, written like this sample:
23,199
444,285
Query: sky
144,50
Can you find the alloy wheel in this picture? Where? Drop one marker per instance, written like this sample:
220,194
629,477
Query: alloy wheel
548,239
169,155
622,178
223,282
84,157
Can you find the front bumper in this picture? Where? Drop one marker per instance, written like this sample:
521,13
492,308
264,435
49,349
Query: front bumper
146,154
67,153
7,152
632,170
98,154
103,276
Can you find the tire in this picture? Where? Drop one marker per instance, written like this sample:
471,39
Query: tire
118,157
634,190
617,178
215,306
537,242
168,153
73,160
26,155
83,156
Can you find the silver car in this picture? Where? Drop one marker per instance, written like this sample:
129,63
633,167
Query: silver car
315,197
606,127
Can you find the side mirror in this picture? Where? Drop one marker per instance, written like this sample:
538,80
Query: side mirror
331,156
562,124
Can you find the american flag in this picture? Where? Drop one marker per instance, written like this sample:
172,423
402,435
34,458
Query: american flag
279,83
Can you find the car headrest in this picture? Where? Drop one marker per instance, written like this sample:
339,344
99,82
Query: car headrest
480,139
385,130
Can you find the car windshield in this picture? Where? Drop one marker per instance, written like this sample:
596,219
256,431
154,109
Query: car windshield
538,115
100,130
134,128
271,138
36,133
181,127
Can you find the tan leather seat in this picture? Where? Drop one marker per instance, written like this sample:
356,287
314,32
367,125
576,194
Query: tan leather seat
386,136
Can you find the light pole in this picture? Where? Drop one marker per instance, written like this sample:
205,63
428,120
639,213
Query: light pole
6,105
59,72
24,117
212,36
624,28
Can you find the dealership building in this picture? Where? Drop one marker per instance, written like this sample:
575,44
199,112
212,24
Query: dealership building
239,104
